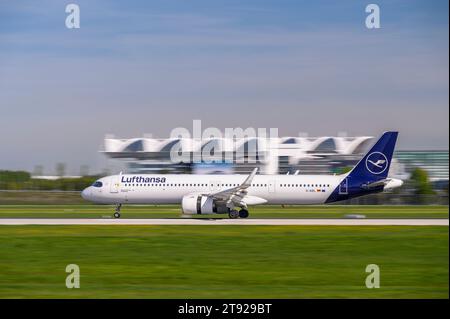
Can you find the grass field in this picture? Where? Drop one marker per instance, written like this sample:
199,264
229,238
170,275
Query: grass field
174,211
224,261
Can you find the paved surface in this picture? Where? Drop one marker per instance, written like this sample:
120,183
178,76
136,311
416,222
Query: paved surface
192,221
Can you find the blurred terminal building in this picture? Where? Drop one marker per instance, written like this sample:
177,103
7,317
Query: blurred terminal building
285,155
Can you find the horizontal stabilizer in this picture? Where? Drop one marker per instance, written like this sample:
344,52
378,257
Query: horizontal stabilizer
379,183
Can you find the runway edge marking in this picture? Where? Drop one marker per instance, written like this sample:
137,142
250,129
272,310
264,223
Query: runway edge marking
261,222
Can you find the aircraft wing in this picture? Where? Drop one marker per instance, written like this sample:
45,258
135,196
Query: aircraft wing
236,195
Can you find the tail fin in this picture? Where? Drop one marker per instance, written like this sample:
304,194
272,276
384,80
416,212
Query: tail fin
376,163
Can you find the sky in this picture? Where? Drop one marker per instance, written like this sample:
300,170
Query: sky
146,67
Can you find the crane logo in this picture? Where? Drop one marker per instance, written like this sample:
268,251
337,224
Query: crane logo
376,163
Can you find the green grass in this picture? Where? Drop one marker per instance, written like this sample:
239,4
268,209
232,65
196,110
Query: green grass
224,261
174,211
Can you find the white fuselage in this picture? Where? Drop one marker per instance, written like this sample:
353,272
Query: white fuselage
170,189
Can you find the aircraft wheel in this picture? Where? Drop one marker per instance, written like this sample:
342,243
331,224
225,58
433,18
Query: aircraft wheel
117,211
233,214
243,213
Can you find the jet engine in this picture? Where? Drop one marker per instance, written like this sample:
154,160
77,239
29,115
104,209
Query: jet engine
200,204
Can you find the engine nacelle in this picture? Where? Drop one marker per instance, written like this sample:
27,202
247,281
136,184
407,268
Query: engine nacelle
199,204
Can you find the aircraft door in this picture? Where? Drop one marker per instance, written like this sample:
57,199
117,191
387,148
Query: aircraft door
115,184
271,186
343,187
214,186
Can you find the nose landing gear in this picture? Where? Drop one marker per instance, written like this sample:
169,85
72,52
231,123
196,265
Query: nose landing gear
117,211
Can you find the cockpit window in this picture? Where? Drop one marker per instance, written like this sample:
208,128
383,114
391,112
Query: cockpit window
97,184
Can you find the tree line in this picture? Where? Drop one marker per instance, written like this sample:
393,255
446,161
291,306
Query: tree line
22,180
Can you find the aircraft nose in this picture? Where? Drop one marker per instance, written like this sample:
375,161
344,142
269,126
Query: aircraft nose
86,193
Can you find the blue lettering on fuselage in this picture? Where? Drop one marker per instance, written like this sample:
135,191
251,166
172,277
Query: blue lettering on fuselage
141,179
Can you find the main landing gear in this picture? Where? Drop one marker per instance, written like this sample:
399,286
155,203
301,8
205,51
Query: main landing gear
233,214
117,211
243,213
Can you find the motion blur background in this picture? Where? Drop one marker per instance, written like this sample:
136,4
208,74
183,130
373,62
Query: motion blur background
425,172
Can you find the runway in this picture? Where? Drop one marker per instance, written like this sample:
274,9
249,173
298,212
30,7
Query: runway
209,222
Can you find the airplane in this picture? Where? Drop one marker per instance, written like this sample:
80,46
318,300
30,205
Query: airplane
232,194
